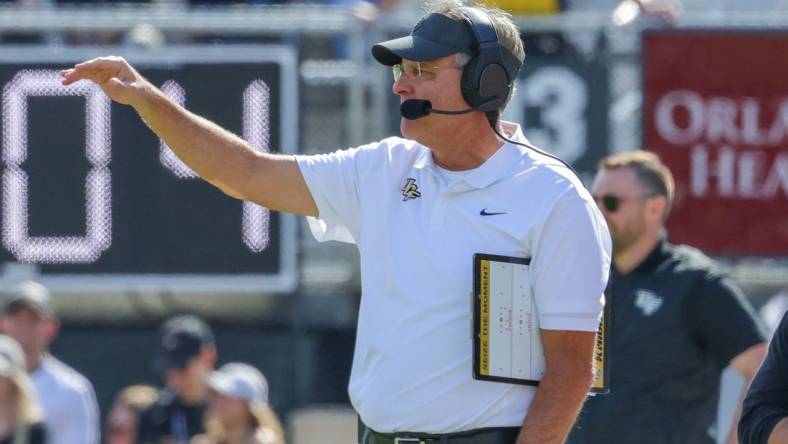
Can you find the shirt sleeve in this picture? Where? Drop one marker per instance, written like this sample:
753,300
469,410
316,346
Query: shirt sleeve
92,422
333,182
81,424
571,265
721,319
766,402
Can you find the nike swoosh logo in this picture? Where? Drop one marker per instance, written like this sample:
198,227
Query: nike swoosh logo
485,213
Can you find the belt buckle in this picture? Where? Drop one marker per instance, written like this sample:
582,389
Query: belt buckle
408,440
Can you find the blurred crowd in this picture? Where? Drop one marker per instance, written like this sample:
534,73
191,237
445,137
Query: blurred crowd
43,400
647,13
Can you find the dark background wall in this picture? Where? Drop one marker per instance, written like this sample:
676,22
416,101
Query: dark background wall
303,367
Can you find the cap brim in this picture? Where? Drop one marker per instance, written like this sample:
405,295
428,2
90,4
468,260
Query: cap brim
222,384
409,47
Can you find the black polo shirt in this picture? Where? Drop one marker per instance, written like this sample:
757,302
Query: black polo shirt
170,420
676,323
767,400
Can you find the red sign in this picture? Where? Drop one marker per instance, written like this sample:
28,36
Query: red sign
716,112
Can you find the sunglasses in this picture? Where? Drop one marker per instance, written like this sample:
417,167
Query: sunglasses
416,69
612,203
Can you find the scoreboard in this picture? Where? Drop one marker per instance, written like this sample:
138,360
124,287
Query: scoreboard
98,202
562,104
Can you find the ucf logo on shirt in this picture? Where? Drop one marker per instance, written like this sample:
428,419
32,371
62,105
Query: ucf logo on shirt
410,190
648,302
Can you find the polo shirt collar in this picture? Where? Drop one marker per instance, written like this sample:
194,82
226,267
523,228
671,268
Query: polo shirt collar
425,159
493,169
655,258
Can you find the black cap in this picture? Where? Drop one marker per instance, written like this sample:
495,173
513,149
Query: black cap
182,338
31,295
433,37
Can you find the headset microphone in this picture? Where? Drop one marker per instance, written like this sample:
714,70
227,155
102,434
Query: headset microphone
413,109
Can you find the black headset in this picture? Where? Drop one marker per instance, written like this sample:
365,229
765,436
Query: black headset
488,78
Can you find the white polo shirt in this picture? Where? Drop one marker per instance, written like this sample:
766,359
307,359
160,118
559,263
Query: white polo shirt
68,403
412,367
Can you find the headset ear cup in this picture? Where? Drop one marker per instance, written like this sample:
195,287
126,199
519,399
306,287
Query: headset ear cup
488,77
481,83
493,83
468,84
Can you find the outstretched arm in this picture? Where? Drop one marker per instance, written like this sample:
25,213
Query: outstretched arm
217,155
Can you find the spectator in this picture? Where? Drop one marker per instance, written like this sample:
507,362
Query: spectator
66,397
644,13
677,320
239,412
123,418
187,357
20,415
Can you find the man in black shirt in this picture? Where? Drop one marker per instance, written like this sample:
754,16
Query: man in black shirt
765,412
187,356
677,321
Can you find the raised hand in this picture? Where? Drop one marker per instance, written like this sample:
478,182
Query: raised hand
119,80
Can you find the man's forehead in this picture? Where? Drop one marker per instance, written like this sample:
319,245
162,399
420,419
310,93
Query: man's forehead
188,366
22,309
616,178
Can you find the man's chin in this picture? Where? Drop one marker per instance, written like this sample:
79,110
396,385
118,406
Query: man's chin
618,244
621,245
406,127
417,131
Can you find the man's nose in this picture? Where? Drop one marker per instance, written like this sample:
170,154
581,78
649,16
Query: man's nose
402,87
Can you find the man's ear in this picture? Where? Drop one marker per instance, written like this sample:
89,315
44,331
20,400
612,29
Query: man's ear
52,330
655,209
210,355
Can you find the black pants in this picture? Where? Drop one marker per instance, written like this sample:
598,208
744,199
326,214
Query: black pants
495,435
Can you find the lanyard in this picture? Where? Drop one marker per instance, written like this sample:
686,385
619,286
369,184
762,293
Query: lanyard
179,428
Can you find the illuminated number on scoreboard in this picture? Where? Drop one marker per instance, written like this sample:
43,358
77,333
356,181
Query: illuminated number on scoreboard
562,96
257,98
98,188
256,131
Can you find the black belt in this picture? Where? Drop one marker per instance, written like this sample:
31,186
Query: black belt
493,435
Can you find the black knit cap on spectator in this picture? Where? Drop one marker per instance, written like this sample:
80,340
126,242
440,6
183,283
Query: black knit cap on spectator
182,338
487,79
30,295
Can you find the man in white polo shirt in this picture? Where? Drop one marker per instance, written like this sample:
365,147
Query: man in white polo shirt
66,397
460,182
